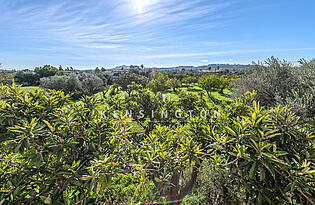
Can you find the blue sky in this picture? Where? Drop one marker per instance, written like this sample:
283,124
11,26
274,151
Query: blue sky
86,34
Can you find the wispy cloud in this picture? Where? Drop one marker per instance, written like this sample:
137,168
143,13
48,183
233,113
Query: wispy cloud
99,24
116,32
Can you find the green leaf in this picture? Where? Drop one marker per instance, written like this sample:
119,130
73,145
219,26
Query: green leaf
231,131
253,170
270,168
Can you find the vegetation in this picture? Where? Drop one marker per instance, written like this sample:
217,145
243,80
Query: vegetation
281,83
6,78
47,71
212,83
75,84
142,136
27,77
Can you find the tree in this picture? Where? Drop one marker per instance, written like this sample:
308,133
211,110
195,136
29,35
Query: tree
46,71
57,160
279,82
97,70
209,83
103,69
6,77
64,152
158,82
76,85
126,79
224,83
60,68
27,77
190,80
174,83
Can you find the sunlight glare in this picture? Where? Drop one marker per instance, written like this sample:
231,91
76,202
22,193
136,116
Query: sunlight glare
140,5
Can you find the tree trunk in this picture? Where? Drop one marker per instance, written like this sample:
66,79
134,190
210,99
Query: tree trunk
190,184
172,193
175,193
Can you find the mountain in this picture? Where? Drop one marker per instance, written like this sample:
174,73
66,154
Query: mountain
205,67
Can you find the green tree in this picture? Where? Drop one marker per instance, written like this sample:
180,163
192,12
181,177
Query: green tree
174,83
46,71
27,77
209,83
158,82
123,80
224,82
279,82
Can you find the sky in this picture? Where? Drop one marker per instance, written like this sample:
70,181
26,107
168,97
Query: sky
106,33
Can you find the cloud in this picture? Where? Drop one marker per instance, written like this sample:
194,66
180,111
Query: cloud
205,61
99,24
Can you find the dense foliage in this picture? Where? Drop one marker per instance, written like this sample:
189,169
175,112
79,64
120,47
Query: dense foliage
47,71
211,83
6,77
281,83
55,151
76,85
27,77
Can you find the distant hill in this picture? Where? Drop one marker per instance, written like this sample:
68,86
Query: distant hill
202,67
205,67
119,67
